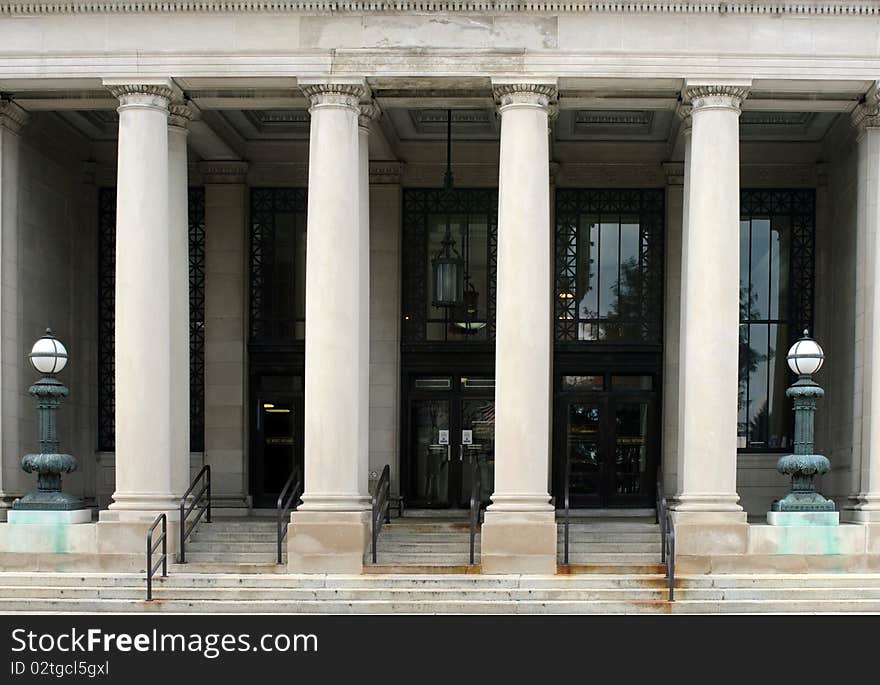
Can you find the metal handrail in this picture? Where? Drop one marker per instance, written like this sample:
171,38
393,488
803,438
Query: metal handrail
282,506
195,502
667,537
381,509
151,547
476,500
660,517
670,556
567,502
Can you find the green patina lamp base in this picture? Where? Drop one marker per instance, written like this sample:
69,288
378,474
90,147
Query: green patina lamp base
803,501
803,496
48,501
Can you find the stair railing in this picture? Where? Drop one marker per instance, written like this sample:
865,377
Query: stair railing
201,501
566,493
162,520
381,507
476,500
667,537
289,497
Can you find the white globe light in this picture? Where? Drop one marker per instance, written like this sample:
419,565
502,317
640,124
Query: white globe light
805,357
48,355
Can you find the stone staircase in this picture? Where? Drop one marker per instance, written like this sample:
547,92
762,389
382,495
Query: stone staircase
438,593
596,545
237,545
407,543
625,544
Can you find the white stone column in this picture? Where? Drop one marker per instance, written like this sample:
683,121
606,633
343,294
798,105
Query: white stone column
368,112
865,498
329,530
519,533
145,481
178,210
709,332
12,353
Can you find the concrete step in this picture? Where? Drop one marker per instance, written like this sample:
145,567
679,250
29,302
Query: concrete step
224,567
630,547
622,537
235,546
422,558
211,535
230,557
239,525
616,557
245,593
456,606
605,569
599,526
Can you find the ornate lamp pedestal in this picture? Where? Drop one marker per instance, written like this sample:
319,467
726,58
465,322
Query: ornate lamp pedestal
48,504
803,505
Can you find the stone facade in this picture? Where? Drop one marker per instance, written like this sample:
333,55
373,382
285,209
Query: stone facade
699,98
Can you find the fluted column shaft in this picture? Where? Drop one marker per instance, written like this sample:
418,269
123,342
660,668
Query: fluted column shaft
708,376
865,498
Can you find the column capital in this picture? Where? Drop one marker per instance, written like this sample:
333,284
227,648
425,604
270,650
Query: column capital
346,93
143,93
518,92
867,113
224,172
683,111
181,113
369,111
12,117
719,95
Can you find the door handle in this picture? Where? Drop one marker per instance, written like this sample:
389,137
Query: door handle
449,453
461,453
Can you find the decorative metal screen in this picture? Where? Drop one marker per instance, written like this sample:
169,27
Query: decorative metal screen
609,266
474,215
777,257
107,318
277,265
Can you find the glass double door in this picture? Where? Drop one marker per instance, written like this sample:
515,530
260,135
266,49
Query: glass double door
451,446
606,450
276,436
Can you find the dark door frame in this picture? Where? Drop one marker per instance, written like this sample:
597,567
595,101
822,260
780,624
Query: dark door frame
267,363
453,365
607,364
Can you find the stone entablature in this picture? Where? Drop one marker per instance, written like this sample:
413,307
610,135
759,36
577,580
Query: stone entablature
732,7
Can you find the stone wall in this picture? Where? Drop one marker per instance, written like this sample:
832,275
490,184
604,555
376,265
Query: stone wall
50,277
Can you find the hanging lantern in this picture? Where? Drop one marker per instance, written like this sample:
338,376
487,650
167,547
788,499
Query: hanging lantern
447,267
448,272
467,320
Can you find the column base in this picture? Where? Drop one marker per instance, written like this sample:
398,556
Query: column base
327,541
518,542
137,506
863,508
707,533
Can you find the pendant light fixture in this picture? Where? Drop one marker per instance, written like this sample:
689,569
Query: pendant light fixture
448,266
